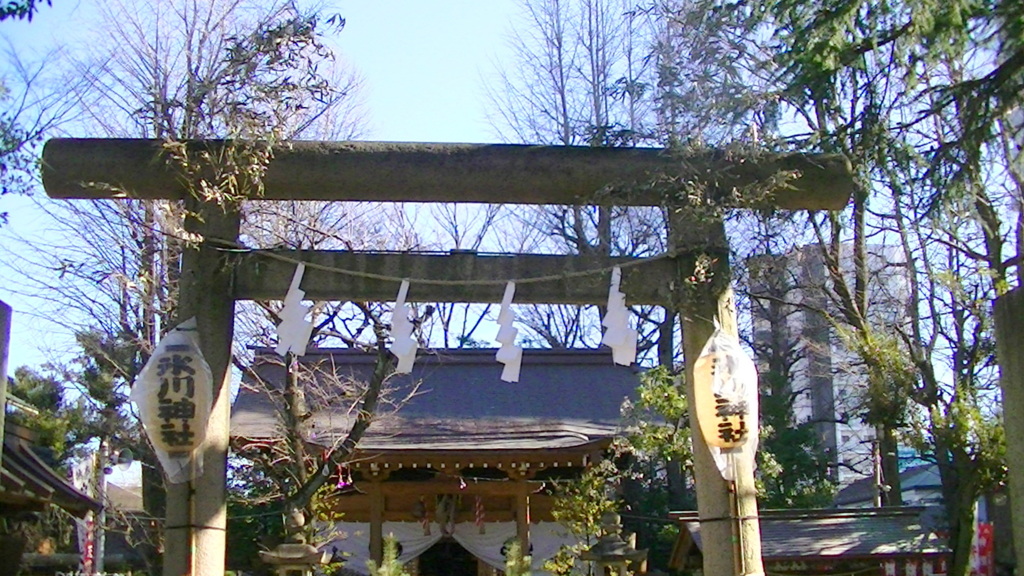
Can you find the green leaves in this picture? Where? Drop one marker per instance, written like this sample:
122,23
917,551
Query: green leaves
17,155
21,9
891,377
515,563
60,424
659,422
792,467
389,565
579,505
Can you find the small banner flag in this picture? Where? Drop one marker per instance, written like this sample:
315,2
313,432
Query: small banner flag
618,335
508,354
403,346
294,330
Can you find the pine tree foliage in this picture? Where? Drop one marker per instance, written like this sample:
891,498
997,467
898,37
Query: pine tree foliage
73,407
389,565
58,424
516,564
579,505
918,94
21,9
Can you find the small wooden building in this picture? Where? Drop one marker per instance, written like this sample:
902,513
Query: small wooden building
867,542
27,485
466,463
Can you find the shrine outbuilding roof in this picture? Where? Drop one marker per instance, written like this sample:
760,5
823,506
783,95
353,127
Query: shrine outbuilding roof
28,484
828,535
454,400
922,482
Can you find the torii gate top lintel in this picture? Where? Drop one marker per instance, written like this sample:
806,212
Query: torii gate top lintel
425,172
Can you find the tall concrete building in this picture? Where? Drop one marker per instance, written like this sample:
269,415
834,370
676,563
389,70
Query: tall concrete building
802,354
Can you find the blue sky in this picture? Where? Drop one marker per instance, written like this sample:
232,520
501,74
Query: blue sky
423,61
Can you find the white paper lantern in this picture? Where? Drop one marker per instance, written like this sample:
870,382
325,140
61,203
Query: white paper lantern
174,394
725,397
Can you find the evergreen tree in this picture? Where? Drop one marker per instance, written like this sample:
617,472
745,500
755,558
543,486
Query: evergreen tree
579,505
515,563
389,565
21,9
793,468
58,423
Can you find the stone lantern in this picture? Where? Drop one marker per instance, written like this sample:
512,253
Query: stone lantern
295,559
612,554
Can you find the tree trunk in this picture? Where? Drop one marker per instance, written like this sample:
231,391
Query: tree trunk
889,456
961,530
1009,310
294,414
666,340
677,488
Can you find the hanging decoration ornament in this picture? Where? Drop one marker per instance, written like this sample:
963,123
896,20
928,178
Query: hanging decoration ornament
725,395
419,512
174,394
344,477
403,345
294,330
478,514
618,335
508,354
445,508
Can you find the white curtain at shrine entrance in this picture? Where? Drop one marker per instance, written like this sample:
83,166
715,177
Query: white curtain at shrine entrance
486,546
352,541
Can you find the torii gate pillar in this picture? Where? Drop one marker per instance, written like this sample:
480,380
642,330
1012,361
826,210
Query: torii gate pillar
698,301
196,521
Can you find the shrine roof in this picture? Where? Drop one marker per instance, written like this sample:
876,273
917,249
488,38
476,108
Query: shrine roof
831,534
29,484
454,400
924,477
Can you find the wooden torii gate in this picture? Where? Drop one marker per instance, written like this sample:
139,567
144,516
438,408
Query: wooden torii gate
212,278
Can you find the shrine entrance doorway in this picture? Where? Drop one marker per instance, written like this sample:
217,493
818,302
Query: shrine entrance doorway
447,558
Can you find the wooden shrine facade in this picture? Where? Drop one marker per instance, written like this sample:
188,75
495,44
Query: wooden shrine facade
460,445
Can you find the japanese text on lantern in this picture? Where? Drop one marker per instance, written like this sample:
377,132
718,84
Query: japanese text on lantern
732,426
176,371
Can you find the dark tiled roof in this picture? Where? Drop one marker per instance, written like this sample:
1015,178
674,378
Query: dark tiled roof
27,483
564,398
862,492
807,535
